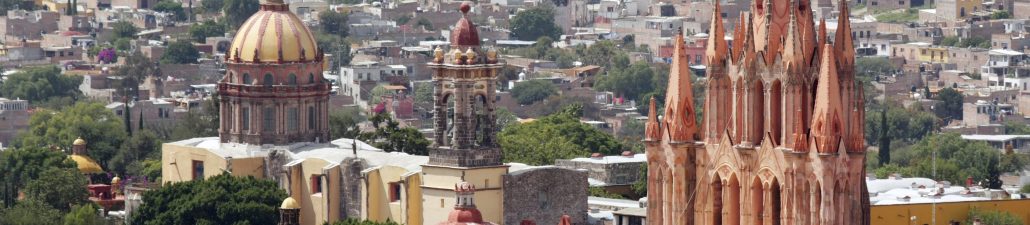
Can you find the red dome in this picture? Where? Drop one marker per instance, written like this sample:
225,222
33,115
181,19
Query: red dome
464,33
465,216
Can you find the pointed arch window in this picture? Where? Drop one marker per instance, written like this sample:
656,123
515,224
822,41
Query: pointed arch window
293,79
246,78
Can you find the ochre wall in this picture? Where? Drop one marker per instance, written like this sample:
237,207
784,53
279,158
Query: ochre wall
313,205
177,162
958,211
438,184
377,191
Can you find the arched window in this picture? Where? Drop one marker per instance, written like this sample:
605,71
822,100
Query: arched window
229,78
293,79
268,80
311,78
246,78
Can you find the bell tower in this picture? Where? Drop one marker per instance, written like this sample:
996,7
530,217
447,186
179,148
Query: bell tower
464,143
464,80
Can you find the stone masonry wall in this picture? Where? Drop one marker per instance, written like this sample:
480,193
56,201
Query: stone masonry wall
566,194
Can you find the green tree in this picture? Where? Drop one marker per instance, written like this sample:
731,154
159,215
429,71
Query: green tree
238,11
171,7
123,44
528,92
85,214
557,136
640,186
505,118
601,192
950,41
202,123
885,141
180,52
344,123
906,125
136,69
30,213
533,23
210,28
631,83
94,123
60,188
19,166
221,199
1000,15
424,23
144,144
605,54
213,6
956,160
335,45
873,66
40,85
992,217
390,137
333,22
124,29
950,105
403,19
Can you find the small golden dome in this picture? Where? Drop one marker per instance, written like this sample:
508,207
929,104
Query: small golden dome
116,180
273,34
86,165
79,141
290,203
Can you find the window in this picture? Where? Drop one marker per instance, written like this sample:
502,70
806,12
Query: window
316,184
311,78
269,122
245,119
246,79
395,191
901,3
311,117
293,79
441,203
268,80
198,170
293,119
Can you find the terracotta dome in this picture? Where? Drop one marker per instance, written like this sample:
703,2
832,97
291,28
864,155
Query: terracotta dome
464,33
465,216
273,34
290,203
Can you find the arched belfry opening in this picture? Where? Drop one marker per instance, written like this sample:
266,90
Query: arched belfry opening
464,81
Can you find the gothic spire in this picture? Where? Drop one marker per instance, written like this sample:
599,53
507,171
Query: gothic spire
717,48
679,98
826,117
792,52
842,43
800,133
652,129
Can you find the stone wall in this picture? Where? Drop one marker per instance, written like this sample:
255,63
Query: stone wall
350,172
524,198
610,173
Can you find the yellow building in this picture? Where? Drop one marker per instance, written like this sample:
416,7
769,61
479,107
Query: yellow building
283,138
327,180
922,213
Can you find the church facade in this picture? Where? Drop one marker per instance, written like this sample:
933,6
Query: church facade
781,139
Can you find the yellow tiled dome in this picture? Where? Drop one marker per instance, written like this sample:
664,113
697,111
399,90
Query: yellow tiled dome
86,164
271,32
79,141
290,203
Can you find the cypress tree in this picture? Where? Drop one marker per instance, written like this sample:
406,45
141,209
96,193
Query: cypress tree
885,141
